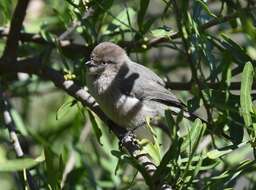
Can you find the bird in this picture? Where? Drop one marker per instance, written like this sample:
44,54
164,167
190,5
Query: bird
128,92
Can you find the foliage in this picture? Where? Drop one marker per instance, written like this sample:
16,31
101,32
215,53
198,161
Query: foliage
206,50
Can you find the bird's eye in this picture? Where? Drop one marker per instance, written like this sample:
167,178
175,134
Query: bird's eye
103,63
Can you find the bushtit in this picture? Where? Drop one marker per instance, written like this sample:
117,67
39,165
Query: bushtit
126,91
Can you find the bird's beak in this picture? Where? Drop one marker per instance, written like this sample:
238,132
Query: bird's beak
87,63
90,64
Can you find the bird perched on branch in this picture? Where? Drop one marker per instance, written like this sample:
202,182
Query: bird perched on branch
126,91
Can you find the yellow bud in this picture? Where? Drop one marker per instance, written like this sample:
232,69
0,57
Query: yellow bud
144,46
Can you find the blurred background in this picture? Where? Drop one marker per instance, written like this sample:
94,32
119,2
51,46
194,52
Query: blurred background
204,50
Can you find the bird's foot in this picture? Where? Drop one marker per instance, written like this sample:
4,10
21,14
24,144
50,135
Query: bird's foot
128,139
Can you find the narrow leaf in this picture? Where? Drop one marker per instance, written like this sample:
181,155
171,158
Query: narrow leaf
206,8
95,126
143,8
20,164
122,19
245,98
193,135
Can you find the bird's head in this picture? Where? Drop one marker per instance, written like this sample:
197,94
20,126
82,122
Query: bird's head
104,55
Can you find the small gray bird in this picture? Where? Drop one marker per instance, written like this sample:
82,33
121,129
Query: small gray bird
126,91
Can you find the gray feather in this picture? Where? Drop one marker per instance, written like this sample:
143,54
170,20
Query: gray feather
144,84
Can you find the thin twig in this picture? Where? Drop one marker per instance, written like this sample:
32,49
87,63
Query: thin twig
74,25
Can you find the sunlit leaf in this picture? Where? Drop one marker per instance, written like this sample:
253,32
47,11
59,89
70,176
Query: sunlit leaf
65,108
193,135
206,8
161,32
245,98
20,164
124,18
19,122
218,153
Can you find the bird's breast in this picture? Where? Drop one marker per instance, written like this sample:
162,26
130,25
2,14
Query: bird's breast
119,107
127,111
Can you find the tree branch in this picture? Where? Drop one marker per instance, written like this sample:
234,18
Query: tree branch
10,125
38,39
78,48
34,66
10,51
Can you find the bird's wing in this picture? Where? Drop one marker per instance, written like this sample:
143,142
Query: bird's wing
144,84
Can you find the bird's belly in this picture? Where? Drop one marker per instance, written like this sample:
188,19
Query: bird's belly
125,110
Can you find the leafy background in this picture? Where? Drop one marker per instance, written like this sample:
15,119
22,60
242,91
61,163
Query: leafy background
205,51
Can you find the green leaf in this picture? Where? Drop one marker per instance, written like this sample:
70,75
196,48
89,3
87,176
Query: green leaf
117,153
234,49
143,8
124,158
95,126
152,149
196,169
150,145
64,108
171,155
47,36
231,174
5,13
161,32
20,164
148,24
193,144
19,122
54,167
210,163
245,98
206,8
122,19
193,135
214,154
119,156
171,124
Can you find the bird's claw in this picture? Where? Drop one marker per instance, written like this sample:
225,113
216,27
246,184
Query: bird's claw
129,139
